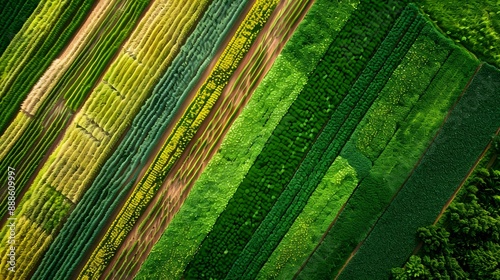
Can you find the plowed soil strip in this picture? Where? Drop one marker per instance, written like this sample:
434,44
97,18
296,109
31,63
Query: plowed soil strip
176,188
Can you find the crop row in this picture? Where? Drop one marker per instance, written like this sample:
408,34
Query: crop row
82,50
12,18
40,40
49,99
105,116
13,132
382,180
110,110
184,130
197,154
321,208
291,140
379,124
124,164
245,83
463,242
327,146
245,140
25,163
30,248
462,139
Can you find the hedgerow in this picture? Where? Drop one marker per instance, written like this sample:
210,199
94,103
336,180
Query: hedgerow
474,24
464,242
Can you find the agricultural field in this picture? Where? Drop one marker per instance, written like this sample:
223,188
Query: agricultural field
249,139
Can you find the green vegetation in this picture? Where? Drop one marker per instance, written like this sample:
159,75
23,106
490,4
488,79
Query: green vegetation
291,141
183,132
89,65
12,17
475,24
245,139
237,139
328,145
321,208
460,142
405,87
52,113
412,135
96,129
465,242
238,91
24,70
120,171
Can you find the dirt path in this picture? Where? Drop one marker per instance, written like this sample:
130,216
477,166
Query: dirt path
70,120
152,156
131,237
174,190
64,60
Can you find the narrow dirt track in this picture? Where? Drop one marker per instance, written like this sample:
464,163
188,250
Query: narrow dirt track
180,112
68,54
235,95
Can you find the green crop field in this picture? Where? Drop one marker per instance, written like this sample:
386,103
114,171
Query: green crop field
249,139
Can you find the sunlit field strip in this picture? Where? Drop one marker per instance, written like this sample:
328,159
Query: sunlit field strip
181,135
117,175
245,140
42,38
175,189
104,118
53,105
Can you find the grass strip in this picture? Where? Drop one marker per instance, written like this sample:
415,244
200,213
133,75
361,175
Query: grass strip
328,145
245,139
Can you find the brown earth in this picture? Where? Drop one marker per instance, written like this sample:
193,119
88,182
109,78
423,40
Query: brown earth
196,156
